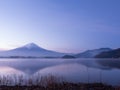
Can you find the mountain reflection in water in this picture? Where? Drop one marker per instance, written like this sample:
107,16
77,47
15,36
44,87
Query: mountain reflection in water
74,70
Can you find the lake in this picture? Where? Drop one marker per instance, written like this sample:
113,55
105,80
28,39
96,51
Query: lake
73,70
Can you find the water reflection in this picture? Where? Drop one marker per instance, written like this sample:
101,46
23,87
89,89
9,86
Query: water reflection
110,63
4,70
74,70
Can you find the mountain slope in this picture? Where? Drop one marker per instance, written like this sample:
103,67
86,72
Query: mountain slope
110,54
31,50
92,53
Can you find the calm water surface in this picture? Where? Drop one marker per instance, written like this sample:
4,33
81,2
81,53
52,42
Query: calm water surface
74,70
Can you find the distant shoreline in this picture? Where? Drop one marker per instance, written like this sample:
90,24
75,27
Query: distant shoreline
29,57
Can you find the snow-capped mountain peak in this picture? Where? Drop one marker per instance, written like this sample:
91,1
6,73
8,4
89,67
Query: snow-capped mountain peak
31,45
31,49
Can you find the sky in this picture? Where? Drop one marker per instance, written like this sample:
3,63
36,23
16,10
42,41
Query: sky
60,25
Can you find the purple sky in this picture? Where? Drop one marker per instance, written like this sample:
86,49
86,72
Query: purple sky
60,25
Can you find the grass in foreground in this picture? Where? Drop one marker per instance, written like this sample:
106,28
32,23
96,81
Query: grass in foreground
47,83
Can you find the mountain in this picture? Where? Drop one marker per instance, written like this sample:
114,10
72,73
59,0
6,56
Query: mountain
110,54
31,50
68,57
92,53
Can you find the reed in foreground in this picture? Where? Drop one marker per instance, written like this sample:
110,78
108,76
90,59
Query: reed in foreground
48,82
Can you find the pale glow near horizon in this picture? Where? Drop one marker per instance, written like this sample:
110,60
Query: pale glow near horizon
63,25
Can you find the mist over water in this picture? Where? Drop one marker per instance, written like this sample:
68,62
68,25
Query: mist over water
73,70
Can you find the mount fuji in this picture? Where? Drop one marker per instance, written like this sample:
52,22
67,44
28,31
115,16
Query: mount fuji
31,50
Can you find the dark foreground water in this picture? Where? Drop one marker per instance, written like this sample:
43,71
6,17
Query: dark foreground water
73,70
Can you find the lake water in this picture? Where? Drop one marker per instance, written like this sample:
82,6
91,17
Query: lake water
73,70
